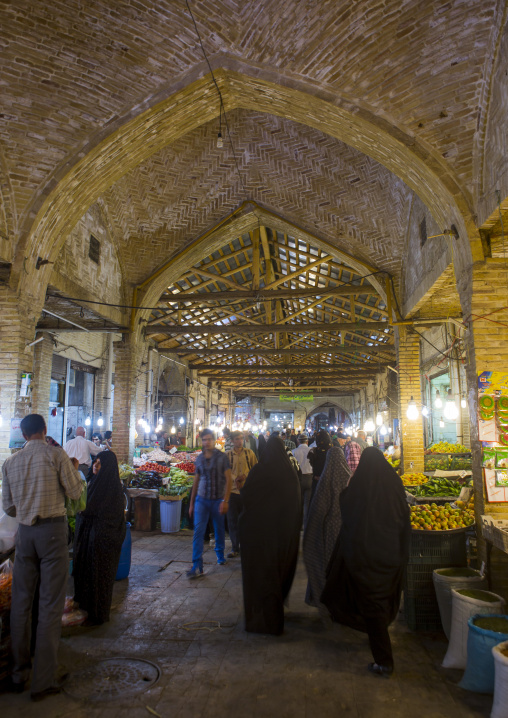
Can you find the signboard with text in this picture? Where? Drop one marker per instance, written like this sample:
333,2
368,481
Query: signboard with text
296,397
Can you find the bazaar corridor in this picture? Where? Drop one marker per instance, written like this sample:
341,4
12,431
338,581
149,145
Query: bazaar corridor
211,672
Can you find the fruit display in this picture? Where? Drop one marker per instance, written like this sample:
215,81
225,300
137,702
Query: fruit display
158,455
179,456
437,462
430,517
126,472
445,447
151,466
187,466
393,462
439,487
414,479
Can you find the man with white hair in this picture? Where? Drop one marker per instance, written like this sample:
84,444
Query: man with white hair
81,449
361,440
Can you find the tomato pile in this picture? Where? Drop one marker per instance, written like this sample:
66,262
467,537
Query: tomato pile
187,466
150,466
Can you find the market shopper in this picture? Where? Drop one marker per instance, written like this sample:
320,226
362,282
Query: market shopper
323,525
317,457
365,572
269,536
361,440
209,500
300,454
352,450
100,531
241,461
82,450
36,481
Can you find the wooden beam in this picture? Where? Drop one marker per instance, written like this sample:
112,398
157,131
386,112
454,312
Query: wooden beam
219,367
263,293
252,351
254,238
265,329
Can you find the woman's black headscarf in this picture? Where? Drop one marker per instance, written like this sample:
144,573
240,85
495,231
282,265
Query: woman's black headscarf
366,569
323,440
105,499
261,445
317,455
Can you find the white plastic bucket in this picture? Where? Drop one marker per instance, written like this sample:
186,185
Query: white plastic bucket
500,705
171,512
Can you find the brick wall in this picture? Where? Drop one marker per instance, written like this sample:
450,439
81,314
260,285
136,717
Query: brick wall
408,354
41,380
124,409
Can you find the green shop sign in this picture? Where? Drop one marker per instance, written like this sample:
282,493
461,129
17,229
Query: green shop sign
296,397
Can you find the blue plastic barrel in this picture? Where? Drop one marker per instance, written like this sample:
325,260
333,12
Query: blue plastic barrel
171,512
124,565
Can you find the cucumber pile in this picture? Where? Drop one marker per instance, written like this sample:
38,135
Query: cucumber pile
439,487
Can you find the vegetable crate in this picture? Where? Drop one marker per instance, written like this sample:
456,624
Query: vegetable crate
429,550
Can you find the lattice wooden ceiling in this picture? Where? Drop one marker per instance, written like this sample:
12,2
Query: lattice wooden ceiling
300,323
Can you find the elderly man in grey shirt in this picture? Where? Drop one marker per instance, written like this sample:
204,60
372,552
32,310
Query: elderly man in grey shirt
36,481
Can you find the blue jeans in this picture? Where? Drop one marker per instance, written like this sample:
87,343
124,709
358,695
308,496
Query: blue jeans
204,509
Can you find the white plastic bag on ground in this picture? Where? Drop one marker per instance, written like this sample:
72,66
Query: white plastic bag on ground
467,603
500,705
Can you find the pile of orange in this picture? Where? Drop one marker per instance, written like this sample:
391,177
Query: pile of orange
430,517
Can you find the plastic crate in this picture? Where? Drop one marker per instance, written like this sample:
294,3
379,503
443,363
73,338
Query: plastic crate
442,549
418,577
422,612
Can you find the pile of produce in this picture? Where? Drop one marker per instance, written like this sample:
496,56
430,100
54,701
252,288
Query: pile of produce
179,476
150,466
413,479
187,466
429,517
184,456
158,455
445,447
147,480
184,448
438,487
126,472
393,462
179,484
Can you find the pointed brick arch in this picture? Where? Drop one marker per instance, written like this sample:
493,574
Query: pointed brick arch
69,194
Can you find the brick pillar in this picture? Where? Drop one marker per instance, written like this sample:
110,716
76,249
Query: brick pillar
41,380
124,408
410,386
17,325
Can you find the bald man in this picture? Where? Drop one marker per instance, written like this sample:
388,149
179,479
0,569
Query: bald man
81,449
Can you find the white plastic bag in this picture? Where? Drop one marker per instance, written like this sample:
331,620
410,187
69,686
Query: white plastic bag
8,531
500,705
463,607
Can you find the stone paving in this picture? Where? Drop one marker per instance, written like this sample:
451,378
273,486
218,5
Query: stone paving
308,672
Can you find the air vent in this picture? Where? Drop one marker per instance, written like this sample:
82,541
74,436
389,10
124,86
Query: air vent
423,232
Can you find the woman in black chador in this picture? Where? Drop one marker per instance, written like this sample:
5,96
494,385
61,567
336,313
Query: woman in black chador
269,536
100,531
364,580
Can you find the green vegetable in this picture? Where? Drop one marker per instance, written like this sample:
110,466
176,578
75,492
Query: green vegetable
479,595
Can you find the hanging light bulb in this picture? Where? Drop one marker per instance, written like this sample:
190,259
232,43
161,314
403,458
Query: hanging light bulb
88,421
379,419
220,143
196,421
425,411
173,429
160,421
441,423
463,402
369,425
182,420
383,430
450,411
100,420
412,410
438,402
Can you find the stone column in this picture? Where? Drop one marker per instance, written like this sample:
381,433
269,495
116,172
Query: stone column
124,409
17,324
410,386
41,380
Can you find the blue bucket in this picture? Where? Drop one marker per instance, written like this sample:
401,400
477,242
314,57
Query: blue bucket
124,565
171,512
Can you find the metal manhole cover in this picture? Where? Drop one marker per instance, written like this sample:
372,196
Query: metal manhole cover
113,678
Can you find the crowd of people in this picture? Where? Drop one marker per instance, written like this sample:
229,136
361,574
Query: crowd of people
355,519
346,497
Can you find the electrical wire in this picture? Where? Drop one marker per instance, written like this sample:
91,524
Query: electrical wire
222,109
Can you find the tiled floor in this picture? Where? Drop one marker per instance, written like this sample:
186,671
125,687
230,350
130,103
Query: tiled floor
309,672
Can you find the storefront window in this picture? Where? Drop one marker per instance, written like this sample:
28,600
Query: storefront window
447,432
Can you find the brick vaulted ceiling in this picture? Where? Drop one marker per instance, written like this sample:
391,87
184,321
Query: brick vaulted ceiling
318,182
70,69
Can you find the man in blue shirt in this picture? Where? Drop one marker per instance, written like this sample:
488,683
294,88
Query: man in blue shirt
209,500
